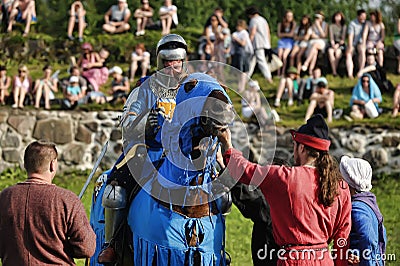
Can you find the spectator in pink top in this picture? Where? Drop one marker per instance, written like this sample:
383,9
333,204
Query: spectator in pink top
92,65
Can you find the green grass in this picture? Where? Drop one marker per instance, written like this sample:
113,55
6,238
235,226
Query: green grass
238,228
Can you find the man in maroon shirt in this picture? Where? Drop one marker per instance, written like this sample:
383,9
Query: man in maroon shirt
40,223
310,204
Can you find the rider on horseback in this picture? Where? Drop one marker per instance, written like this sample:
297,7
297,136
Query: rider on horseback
141,121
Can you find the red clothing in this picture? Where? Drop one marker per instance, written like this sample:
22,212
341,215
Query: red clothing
297,216
42,224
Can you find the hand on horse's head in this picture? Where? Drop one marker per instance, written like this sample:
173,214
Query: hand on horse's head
225,138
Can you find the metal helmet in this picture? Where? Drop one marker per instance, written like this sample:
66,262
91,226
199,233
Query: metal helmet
170,47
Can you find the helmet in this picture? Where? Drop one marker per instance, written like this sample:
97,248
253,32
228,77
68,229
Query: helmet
87,46
170,47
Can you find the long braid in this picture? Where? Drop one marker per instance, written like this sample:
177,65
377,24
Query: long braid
329,176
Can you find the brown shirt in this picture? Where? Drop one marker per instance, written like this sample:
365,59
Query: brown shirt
42,224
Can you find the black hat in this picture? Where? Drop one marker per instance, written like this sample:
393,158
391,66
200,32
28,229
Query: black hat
314,133
2,68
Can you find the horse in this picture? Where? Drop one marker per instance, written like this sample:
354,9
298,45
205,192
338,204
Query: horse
176,216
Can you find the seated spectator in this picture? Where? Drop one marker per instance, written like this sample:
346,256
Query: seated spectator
76,18
117,18
337,38
317,42
301,37
75,71
374,35
5,82
396,44
321,102
241,51
92,65
45,88
73,94
140,58
309,86
365,93
6,8
23,11
377,72
119,86
286,32
169,17
143,16
22,84
96,97
396,101
251,104
355,43
290,83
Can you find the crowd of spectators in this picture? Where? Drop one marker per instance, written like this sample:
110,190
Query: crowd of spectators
299,46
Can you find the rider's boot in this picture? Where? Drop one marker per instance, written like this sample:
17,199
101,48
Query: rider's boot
114,202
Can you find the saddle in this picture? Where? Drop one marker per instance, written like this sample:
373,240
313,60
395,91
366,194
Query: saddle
197,201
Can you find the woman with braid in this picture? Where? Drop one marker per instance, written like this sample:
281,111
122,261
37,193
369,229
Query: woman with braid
309,203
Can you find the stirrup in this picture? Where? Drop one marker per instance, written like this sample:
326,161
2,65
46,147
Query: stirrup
107,255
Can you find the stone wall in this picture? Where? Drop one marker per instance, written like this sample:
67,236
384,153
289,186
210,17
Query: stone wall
80,136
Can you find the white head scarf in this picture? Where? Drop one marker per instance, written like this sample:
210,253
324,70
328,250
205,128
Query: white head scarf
357,173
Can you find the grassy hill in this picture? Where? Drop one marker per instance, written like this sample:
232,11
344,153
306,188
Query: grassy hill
57,50
238,236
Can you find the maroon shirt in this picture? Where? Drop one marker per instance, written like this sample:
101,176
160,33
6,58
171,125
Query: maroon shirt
42,224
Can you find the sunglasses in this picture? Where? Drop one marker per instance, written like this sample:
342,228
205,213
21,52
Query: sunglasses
21,71
365,81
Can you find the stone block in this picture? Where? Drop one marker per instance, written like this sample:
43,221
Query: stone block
55,130
93,126
391,141
377,157
101,137
3,116
83,134
10,140
355,143
22,124
12,155
73,153
115,135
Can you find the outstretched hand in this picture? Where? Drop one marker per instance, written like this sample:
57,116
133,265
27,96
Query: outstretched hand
225,138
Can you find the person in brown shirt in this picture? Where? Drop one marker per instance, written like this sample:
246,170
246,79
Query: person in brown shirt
40,223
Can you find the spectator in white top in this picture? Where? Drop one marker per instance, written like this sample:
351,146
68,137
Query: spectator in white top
261,38
241,51
45,88
140,57
317,42
169,17
355,42
117,18
119,86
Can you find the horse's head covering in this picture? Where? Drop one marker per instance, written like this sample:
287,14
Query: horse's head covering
200,99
